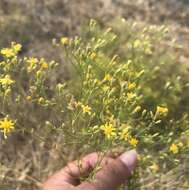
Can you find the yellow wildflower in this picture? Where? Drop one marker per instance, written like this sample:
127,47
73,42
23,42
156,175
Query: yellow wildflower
6,125
8,52
161,111
32,61
11,52
154,167
64,41
174,148
109,130
6,80
133,141
107,77
130,85
16,47
86,109
44,64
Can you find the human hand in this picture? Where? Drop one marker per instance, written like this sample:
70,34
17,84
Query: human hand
113,173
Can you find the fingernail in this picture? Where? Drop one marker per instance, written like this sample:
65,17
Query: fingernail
129,159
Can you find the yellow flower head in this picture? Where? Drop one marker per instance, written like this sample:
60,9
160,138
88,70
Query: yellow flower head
109,130
161,111
86,109
133,142
64,41
7,81
44,64
8,52
130,85
174,148
107,77
32,61
16,47
6,125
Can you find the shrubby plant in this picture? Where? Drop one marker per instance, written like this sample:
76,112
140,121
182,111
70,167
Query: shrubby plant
125,91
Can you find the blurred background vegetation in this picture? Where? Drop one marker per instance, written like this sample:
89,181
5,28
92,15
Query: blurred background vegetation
35,24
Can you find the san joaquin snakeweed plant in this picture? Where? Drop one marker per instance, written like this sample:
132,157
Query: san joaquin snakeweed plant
122,94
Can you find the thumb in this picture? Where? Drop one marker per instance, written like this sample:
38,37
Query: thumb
113,174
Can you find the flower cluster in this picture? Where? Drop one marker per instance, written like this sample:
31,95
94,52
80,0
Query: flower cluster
12,51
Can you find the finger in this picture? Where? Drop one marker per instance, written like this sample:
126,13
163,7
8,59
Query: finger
69,176
80,168
113,174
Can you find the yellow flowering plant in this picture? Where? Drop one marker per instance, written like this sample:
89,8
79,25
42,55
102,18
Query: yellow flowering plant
121,94
6,126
